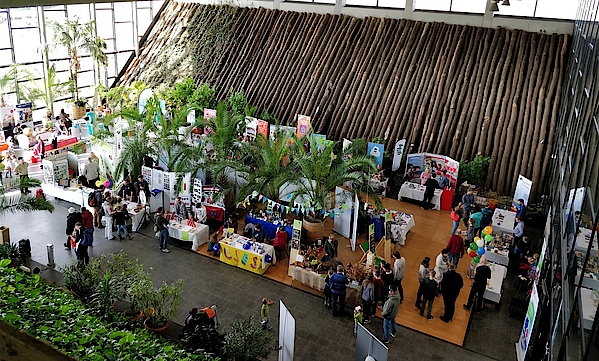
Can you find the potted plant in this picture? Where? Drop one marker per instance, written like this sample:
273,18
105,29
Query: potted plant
77,38
107,293
248,342
160,306
82,281
48,91
474,172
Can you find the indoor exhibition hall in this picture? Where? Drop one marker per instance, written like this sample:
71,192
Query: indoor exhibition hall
245,180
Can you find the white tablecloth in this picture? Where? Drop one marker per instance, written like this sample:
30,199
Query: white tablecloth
588,301
582,241
494,285
73,195
198,235
238,241
136,217
416,191
12,197
307,277
501,257
503,221
590,280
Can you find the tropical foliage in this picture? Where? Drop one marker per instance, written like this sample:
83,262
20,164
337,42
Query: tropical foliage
25,202
10,82
48,90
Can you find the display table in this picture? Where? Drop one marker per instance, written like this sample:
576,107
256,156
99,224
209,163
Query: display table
270,229
74,195
503,221
591,274
588,310
494,285
416,191
308,277
197,235
136,216
253,259
583,239
498,256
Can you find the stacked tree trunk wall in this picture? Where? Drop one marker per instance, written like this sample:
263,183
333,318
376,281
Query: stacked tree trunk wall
448,89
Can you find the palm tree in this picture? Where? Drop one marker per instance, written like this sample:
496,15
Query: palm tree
9,82
78,37
49,91
26,202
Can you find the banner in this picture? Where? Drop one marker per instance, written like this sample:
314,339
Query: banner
522,189
209,113
399,148
376,150
453,168
215,213
522,345
263,128
24,112
146,172
157,179
303,125
437,163
286,333
240,258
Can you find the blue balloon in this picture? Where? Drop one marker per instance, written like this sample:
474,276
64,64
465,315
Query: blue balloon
216,248
247,245
268,258
481,251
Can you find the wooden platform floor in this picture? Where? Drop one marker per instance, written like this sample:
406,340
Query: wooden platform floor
427,238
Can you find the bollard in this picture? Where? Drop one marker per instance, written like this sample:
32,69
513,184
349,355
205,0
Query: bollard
50,250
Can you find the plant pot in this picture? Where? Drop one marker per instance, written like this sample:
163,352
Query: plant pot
314,230
158,331
78,112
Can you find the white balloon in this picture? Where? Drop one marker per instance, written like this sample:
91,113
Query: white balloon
480,243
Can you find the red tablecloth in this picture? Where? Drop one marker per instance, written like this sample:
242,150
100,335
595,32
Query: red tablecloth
61,143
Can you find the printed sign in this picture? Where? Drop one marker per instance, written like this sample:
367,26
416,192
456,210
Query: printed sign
303,125
376,150
398,154
263,128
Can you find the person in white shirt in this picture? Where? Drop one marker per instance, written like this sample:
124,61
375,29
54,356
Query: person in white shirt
441,264
399,271
200,213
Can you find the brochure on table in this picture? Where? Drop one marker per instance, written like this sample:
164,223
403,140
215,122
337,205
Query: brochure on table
422,161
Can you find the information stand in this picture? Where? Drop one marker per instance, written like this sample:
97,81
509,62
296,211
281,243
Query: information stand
295,243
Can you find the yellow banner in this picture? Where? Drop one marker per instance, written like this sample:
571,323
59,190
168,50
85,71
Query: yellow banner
241,258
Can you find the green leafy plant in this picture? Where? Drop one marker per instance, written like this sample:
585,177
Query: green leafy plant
163,304
475,171
10,251
237,102
107,292
11,82
80,102
26,201
48,90
249,342
82,281
205,338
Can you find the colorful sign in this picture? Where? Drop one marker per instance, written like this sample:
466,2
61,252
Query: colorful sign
209,113
398,154
303,125
241,258
263,128
273,129
376,150
371,236
320,141
522,345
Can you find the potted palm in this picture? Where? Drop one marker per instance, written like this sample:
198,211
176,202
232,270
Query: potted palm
49,90
79,38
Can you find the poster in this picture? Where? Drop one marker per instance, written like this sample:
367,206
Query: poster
157,179
371,237
522,189
320,141
7,115
417,162
422,161
303,125
453,168
24,112
146,172
398,154
522,345
196,195
376,150
273,129
263,128
209,113
241,258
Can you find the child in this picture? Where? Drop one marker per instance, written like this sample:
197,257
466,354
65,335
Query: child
120,219
265,313
328,295
357,318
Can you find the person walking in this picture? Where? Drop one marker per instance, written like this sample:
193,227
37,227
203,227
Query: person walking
338,284
97,206
481,274
120,219
390,310
455,245
399,271
423,272
108,214
73,218
367,293
450,289
468,203
23,171
87,220
429,293
456,216
162,227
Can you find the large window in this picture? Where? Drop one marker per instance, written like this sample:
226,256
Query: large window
396,4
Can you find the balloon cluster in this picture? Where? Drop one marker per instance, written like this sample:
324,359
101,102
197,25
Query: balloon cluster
477,248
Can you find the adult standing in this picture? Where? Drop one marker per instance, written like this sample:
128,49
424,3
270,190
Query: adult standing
162,226
450,289
338,284
142,186
127,191
73,218
478,218
468,202
390,310
430,186
481,274
231,223
280,241
423,272
424,176
23,171
518,230
330,247
108,213
379,286
456,216
520,208
487,216
80,250
92,173
399,271
87,220
455,245
443,180
98,200
367,293
442,264
429,293
522,249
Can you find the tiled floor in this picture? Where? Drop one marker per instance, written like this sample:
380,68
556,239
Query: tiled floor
237,293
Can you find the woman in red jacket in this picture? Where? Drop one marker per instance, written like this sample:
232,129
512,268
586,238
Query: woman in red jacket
280,241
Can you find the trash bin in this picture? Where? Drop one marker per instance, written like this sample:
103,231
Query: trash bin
5,235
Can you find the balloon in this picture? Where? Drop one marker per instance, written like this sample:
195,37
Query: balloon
476,239
488,230
473,246
268,258
216,248
98,183
481,251
482,234
472,253
247,246
476,259
480,243
488,238
107,184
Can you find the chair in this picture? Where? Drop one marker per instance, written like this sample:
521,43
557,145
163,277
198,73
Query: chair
280,252
518,305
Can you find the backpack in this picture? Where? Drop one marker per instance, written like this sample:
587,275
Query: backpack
454,216
40,194
91,199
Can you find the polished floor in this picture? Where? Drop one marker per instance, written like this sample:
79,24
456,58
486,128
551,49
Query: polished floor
319,336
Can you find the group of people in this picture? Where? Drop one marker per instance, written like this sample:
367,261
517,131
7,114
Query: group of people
256,233
80,233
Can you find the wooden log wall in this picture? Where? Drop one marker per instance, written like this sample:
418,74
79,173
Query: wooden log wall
448,89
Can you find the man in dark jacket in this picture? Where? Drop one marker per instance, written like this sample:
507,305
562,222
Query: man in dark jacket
450,289
431,185
487,216
390,310
481,275
338,283
72,218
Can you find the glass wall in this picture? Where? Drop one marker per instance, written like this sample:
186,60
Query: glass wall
26,38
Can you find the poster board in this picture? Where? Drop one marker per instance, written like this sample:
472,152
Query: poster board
368,345
522,191
344,203
286,333
422,161
398,154
529,320
376,150
146,172
263,128
303,125
354,235
274,129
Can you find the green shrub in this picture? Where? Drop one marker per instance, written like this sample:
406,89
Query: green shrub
249,342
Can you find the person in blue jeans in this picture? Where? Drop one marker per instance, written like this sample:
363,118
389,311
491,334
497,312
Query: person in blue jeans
390,310
162,226
338,284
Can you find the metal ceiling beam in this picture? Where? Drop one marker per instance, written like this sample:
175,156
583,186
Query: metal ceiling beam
26,3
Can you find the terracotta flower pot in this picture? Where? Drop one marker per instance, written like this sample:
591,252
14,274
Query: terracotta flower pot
158,331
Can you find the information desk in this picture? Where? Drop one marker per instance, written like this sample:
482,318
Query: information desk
308,277
270,229
494,285
503,221
77,196
583,239
256,259
588,310
416,191
136,216
591,273
197,235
